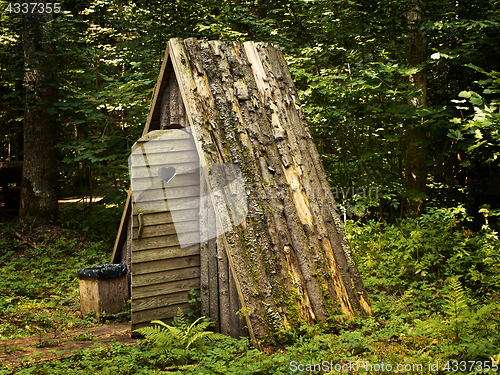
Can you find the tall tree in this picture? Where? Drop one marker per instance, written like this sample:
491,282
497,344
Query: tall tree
39,185
416,153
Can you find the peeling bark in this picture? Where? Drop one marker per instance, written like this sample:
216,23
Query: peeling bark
290,257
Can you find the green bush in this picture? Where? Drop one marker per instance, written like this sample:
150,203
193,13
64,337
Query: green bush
462,332
177,339
428,250
39,290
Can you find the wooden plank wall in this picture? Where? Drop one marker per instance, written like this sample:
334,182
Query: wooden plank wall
162,271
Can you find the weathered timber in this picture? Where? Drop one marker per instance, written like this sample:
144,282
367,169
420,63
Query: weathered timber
182,179
328,208
166,312
267,156
201,125
159,218
164,253
155,302
183,156
166,276
181,168
157,192
166,288
303,181
148,243
167,264
121,238
166,71
102,295
288,260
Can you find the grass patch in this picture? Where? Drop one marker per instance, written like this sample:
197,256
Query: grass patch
428,308
39,291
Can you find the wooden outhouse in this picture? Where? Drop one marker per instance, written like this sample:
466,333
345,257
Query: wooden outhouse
280,256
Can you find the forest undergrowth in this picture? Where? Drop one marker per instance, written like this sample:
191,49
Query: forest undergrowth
433,282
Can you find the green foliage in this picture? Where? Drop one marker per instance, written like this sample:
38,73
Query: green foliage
427,249
179,338
118,358
97,222
463,333
39,290
195,303
125,313
348,60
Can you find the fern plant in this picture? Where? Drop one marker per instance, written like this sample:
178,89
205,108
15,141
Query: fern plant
181,337
456,308
462,332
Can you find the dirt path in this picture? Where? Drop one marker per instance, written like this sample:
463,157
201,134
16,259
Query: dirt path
61,343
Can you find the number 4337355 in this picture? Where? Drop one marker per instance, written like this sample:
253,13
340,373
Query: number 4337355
33,8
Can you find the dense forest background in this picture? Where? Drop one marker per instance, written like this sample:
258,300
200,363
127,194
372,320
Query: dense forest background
402,98
352,66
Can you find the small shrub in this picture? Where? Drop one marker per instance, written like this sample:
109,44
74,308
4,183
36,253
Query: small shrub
428,249
460,332
181,337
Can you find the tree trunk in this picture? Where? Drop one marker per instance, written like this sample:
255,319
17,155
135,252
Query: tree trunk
39,185
416,152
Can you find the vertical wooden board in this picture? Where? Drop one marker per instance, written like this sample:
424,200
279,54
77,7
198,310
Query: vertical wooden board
213,283
236,319
223,281
89,295
161,83
182,113
204,219
178,142
112,294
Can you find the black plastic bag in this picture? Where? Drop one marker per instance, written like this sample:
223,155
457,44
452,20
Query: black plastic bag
103,271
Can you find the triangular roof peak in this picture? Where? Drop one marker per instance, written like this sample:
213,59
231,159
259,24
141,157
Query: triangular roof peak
186,60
